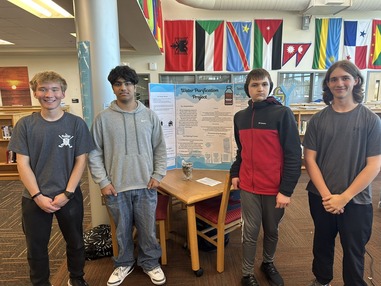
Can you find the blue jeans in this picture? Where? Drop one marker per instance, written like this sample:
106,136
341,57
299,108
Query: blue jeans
37,226
135,207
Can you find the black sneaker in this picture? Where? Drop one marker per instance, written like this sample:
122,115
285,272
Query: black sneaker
249,280
272,274
77,282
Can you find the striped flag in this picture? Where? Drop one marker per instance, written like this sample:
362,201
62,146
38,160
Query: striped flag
158,24
375,47
356,42
268,44
178,45
209,45
327,40
238,46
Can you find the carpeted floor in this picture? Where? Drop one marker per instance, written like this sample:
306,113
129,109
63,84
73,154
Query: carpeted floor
293,257
14,269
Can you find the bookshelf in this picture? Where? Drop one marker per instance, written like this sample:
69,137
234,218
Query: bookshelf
8,166
303,113
9,115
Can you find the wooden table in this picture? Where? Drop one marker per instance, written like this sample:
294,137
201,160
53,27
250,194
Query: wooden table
189,193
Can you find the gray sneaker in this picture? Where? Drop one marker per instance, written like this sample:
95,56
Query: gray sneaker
316,283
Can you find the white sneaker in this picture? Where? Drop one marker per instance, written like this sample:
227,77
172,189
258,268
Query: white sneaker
119,274
157,276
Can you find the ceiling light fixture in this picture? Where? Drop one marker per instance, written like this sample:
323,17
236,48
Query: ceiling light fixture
42,8
4,42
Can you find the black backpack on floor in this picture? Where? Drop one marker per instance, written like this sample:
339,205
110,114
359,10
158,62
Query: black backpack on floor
98,242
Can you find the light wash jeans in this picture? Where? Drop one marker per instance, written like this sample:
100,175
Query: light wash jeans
135,207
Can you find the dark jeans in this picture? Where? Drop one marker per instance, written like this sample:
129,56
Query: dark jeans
37,226
354,227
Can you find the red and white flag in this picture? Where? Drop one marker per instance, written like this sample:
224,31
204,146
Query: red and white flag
290,50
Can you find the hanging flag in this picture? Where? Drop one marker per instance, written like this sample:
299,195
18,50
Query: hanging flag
327,40
290,50
150,11
375,47
238,46
158,24
268,44
209,40
144,7
178,45
356,42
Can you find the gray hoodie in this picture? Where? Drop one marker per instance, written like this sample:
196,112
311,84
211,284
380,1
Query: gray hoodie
130,148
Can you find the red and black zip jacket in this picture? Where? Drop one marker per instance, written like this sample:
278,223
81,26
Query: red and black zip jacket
268,158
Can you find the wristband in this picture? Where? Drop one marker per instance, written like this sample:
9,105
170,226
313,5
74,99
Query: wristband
36,195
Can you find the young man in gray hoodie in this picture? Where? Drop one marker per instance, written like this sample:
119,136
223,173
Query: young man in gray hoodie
128,163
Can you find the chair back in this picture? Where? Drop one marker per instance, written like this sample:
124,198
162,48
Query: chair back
223,209
230,209
223,214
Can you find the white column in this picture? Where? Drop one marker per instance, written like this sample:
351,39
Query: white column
98,51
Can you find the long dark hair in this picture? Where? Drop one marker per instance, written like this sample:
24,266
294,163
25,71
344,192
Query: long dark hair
352,69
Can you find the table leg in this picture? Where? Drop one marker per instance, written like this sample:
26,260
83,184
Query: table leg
193,245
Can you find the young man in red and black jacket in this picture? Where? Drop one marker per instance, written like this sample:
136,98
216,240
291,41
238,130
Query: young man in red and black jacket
266,170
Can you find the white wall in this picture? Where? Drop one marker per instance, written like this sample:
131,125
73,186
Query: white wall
67,64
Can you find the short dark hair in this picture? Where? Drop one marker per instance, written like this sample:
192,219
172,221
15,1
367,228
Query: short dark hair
257,74
124,72
353,70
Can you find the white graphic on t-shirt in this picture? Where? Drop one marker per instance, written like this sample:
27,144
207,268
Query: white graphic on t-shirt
65,140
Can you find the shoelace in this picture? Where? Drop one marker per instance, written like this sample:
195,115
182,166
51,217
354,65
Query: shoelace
271,269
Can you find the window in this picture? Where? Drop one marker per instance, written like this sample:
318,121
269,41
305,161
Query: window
142,89
202,78
303,87
175,78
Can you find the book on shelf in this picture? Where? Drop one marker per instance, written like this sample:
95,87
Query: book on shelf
303,127
11,157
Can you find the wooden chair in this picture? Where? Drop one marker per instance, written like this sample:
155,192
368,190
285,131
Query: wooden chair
222,214
161,218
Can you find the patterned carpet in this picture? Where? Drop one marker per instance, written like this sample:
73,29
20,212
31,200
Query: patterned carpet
14,270
293,254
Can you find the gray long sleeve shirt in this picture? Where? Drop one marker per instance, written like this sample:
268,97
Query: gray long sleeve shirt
130,148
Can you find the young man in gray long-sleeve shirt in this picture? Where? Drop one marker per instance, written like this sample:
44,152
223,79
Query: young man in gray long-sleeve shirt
128,163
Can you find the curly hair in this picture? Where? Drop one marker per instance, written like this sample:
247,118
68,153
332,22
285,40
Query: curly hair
352,69
47,76
124,72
